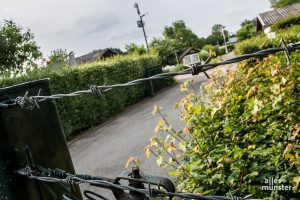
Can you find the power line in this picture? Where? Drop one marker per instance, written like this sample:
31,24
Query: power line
31,102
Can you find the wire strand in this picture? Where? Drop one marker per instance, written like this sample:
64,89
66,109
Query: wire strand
31,102
66,178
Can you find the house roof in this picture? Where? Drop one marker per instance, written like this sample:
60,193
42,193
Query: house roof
270,17
92,56
188,51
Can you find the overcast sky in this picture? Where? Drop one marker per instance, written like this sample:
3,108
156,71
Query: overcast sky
84,25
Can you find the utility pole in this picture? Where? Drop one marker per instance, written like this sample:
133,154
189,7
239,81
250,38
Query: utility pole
141,23
222,28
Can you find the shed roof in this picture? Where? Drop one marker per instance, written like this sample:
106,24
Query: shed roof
270,17
188,51
92,56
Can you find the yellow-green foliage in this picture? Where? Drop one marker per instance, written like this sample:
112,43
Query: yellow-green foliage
262,42
243,129
80,113
286,23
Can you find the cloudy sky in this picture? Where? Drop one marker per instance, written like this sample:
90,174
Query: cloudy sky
84,25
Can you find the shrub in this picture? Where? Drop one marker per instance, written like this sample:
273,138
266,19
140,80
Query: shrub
286,23
247,31
80,113
214,50
203,56
243,129
230,47
262,42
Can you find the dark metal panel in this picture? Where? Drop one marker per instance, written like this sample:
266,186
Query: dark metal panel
40,130
155,85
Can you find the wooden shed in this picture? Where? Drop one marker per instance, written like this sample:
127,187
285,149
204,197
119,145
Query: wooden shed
95,55
266,19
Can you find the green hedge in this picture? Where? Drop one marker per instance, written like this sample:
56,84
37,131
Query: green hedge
261,42
80,113
285,23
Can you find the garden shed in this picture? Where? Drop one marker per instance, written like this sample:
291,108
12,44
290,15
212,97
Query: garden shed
266,19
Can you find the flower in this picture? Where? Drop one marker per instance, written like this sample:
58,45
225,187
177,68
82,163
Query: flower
156,109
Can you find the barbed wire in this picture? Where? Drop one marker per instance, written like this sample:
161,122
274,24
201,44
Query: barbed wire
60,176
31,102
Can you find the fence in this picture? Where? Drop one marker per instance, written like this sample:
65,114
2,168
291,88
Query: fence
30,123
155,85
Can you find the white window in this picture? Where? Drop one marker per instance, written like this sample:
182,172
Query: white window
190,59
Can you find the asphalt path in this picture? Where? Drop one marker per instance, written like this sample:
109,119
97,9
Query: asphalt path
104,150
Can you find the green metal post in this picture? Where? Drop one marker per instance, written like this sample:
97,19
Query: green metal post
151,84
40,131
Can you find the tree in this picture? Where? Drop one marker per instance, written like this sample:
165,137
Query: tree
272,2
165,48
117,51
247,30
18,50
182,35
282,3
176,38
58,56
246,21
216,36
135,49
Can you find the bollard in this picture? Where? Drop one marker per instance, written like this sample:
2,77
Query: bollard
37,131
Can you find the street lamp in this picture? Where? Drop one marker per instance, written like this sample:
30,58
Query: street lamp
141,23
222,29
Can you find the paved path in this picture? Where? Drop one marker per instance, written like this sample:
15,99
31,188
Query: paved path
104,150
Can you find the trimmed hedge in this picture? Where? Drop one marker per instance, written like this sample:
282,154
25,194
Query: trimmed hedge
81,113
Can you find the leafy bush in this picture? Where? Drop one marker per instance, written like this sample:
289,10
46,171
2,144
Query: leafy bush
285,23
247,30
203,56
214,50
83,112
262,42
230,47
244,128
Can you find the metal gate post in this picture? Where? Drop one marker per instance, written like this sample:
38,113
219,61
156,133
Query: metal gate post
40,130
151,84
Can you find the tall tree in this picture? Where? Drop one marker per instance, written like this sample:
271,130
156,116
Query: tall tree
165,48
135,49
58,56
182,34
18,50
216,36
282,3
247,30
176,38
118,51
272,2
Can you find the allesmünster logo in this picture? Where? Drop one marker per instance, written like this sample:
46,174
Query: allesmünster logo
272,184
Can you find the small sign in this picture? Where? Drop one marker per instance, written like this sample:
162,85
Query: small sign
140,23
271,35
191,59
